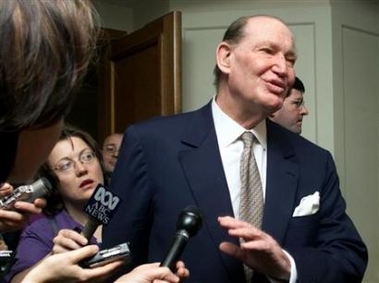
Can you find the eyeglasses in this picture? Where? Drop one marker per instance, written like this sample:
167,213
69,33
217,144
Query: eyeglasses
111,149
68,164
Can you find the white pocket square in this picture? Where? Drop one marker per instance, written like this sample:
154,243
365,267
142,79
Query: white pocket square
308,205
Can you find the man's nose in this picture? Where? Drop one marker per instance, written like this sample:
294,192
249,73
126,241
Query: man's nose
304,110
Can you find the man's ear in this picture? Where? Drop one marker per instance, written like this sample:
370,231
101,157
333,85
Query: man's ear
223,53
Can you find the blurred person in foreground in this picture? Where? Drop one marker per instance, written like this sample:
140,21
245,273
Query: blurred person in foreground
302,232
292,113
46,48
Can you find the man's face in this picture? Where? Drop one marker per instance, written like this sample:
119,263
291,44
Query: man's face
260,66
110,151
291,114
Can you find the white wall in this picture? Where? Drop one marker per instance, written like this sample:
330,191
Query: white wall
146,11
203,30
114,15
356,93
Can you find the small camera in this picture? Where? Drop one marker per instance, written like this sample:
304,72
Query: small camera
28,193
103,257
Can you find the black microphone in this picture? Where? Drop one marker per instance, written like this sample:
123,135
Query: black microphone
188,224
28,193
100,208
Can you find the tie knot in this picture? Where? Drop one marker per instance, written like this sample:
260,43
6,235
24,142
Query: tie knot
247,138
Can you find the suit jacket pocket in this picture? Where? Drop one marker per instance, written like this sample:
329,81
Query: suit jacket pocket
302,231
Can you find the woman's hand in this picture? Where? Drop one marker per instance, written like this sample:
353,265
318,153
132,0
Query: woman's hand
153,273
64,267
15,219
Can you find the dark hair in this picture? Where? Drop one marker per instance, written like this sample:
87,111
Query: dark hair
45,49
232,35
54,201
298,85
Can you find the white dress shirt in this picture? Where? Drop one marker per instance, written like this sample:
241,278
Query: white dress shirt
228,134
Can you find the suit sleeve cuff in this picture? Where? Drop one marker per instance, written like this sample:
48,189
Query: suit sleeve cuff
293,276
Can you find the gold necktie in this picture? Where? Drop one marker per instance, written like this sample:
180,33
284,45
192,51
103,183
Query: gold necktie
251,195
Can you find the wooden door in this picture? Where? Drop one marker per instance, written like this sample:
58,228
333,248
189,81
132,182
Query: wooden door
86,112
141,76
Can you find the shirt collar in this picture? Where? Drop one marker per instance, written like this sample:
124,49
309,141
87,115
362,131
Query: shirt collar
228,130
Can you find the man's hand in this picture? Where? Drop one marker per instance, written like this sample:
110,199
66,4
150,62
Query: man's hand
259,250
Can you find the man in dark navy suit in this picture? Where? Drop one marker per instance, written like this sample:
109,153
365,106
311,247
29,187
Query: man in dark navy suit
168,163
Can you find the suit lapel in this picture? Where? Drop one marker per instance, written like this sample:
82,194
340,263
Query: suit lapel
202,166
281,184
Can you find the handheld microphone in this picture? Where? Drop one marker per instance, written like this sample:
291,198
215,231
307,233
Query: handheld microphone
188,224
100,208
28,193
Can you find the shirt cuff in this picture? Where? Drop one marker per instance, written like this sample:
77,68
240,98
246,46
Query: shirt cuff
293,276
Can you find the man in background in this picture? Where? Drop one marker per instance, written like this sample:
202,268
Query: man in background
110,150
291,114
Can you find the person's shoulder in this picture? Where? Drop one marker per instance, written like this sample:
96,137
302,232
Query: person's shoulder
43,220
40,222
172,122
297,141
175,117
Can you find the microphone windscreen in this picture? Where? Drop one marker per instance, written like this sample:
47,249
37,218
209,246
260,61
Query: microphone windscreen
188,224
100,208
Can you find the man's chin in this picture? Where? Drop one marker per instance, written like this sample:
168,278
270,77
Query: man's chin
274,108
297,130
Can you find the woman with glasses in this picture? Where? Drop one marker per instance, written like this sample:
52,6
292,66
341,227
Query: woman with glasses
75,168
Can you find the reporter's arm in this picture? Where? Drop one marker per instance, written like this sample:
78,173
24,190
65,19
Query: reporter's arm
11,220
64,267
152,272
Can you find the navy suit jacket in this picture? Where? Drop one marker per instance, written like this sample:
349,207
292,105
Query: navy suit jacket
169,163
